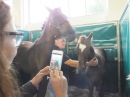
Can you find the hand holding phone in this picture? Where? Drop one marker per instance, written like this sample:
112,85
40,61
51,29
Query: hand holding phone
56,60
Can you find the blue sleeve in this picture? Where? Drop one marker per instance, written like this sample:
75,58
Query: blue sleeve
65,58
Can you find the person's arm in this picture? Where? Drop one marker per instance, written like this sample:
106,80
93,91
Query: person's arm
72,63
31,88
38,78
28,90
59,83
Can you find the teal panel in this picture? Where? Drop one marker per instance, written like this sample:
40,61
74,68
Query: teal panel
103,35
26,35
111,54
35,34
125,47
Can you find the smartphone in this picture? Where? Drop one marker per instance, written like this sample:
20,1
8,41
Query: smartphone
56,60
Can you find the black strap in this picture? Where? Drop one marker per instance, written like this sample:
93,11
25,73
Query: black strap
43,87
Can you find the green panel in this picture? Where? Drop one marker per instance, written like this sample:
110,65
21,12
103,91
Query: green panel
26,35
35,35
125,41
103,35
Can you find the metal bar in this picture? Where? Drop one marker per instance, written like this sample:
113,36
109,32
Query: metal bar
91,24
118,58
96,47
35,30
30,36
124,10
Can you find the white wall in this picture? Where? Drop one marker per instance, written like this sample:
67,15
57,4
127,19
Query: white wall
17,12
115,10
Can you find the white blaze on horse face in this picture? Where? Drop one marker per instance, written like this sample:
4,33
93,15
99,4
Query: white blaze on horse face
82,47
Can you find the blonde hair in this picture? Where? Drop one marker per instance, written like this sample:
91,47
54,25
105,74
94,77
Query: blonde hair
6,80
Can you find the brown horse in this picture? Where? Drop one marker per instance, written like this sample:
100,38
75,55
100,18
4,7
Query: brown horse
96,73
31,57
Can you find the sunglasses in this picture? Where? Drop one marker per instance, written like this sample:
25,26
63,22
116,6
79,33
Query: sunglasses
19,36
62,39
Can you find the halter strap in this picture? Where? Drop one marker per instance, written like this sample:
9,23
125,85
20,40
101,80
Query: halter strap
59,25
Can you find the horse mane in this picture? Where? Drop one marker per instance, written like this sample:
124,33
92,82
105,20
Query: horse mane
41,40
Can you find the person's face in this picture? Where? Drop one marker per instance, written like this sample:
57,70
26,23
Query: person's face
9,43
60,43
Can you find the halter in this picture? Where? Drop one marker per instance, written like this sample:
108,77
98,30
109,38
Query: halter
58,26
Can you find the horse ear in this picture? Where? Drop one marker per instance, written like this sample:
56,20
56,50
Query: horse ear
49,9
90,35
89,38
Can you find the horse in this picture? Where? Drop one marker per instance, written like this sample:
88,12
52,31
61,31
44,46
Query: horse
95,74
31,56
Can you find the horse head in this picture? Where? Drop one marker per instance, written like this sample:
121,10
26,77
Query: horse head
58,25
84,51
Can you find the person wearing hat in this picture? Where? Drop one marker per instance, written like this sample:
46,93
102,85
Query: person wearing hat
59,44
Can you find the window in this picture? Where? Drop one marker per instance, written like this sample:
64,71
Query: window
77,8
63,4
72,8
96,6
35,10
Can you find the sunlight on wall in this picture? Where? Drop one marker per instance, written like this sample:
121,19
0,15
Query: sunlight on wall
24,22
71,8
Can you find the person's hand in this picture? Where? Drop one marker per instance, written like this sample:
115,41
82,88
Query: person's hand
38,78
92,62
59,83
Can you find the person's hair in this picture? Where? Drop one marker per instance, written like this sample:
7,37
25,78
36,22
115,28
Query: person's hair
7,82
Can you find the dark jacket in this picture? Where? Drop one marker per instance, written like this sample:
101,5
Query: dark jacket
26,90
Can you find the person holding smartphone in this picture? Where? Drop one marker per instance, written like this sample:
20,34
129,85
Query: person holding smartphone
10,39
59,44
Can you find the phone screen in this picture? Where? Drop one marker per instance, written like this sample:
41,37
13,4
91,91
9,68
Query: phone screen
56,61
